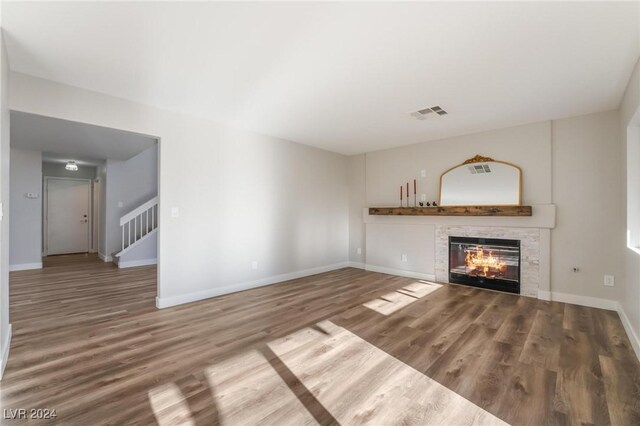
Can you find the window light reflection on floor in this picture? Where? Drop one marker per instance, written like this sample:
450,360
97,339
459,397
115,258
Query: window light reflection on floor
341,375
392,302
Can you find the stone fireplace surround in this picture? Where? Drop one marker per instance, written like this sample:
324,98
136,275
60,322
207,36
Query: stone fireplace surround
529,251
533,232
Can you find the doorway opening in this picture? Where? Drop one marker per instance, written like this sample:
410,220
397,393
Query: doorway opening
67,215
71,186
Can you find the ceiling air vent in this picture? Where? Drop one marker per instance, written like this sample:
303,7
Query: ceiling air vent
423,113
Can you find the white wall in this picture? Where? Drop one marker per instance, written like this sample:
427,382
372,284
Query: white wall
572,163
242,196
145,252
528,146
26,213
5,326
101,184
132,183
587,188
630,132
357,200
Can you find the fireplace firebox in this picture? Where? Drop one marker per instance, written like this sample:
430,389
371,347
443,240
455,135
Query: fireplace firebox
485,262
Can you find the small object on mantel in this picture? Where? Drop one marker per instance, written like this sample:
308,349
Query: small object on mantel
428,204
421,204
435,204
453,211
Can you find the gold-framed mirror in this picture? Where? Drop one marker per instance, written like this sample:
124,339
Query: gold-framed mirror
481,181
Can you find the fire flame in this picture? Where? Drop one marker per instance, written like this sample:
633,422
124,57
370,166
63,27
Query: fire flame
477,260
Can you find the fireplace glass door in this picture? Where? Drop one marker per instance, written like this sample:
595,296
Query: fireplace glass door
484,262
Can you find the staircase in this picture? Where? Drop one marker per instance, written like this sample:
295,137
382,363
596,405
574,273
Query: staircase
136,227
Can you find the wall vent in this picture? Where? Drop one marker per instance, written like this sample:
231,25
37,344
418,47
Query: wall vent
423,113
479,168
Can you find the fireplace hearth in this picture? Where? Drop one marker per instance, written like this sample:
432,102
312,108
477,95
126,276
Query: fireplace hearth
490,263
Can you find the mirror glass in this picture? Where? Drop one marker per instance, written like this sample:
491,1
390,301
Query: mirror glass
481,183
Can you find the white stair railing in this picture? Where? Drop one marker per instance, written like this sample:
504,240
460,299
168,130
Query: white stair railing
139,222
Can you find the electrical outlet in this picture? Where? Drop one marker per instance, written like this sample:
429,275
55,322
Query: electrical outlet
609,280
404,257
175,212
254,265
423,173
423,197
359,250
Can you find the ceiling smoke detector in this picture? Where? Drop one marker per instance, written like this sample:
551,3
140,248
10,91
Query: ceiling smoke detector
423,113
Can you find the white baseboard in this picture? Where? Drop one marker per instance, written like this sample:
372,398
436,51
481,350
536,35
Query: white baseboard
400,272
134,263
544,295
358,265
105,258
25,266
574,299
633,337
165,302
4,356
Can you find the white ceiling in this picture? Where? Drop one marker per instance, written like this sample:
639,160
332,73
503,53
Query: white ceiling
69,140
340,76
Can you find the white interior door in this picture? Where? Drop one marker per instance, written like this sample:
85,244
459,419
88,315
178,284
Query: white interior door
68,216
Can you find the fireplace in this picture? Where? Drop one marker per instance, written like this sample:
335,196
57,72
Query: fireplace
485,262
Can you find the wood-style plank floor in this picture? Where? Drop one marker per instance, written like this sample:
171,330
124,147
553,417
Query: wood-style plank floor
344,347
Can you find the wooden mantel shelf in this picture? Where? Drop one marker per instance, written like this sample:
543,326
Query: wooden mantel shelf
452,211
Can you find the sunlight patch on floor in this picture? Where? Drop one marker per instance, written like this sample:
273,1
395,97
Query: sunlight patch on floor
169,406
330,373
358,383
249,391
396,300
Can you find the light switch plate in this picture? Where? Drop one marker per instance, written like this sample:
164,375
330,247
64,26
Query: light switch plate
359,250
175,212
404,257
423,173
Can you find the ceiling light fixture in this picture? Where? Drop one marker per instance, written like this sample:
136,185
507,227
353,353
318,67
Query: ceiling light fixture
72,166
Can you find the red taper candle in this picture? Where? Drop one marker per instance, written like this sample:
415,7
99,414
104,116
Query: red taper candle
414,187
400,192
407,190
